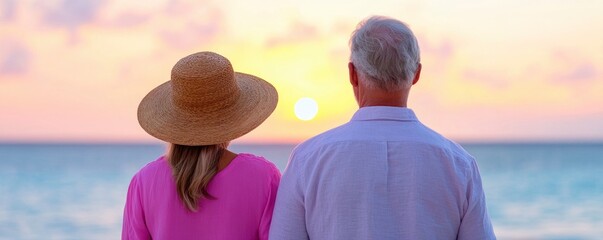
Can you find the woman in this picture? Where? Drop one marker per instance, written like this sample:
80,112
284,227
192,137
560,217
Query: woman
200,189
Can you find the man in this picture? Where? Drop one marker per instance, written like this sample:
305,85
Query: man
383,175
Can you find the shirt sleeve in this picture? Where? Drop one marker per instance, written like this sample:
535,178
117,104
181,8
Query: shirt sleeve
269,208
289,221
134,225
475,223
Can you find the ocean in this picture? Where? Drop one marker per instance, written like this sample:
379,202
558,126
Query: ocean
77,191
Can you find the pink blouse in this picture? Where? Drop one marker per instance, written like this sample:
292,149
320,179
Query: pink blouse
245,192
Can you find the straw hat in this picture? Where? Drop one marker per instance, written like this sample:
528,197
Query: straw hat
206,102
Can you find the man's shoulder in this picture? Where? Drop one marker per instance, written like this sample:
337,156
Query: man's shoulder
319,141
438,140
421,135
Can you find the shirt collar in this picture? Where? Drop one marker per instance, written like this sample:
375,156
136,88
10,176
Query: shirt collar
384,113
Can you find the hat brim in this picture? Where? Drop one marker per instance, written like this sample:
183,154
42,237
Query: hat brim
159,117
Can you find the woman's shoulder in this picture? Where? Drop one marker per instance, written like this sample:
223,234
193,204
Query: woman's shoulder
152,168
256,164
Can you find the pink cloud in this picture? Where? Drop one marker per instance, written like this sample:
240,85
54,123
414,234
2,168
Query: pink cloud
130,19
177,7
443,49
298,32
8,10
193,34
438,53
14,59
70,14
585,72
487,79
199,30
571,68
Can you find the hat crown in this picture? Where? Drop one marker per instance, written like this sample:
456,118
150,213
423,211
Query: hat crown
204,81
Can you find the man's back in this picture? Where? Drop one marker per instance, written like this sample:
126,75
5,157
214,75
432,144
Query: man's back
383,175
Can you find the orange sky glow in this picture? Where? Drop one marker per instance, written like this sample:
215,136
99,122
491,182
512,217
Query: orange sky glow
75,70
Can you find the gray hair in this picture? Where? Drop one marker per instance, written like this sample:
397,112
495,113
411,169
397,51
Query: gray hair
385,51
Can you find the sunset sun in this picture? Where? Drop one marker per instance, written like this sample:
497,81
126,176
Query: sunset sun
306,109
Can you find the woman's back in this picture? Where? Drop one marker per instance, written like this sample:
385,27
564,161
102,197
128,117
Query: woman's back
244,195
200,190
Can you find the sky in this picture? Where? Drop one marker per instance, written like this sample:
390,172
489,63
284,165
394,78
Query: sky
75,70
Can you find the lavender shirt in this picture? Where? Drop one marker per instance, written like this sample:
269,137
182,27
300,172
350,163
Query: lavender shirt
383,175
245,192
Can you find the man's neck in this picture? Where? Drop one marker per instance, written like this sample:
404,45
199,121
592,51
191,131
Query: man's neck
377,97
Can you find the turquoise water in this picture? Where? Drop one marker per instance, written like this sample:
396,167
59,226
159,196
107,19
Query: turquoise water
534,191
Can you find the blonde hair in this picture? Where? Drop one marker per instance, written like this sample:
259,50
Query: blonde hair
193,168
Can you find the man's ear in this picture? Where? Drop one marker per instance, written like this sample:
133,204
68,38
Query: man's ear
417,74
353,74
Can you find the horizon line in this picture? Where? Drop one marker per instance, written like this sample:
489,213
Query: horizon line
462,142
